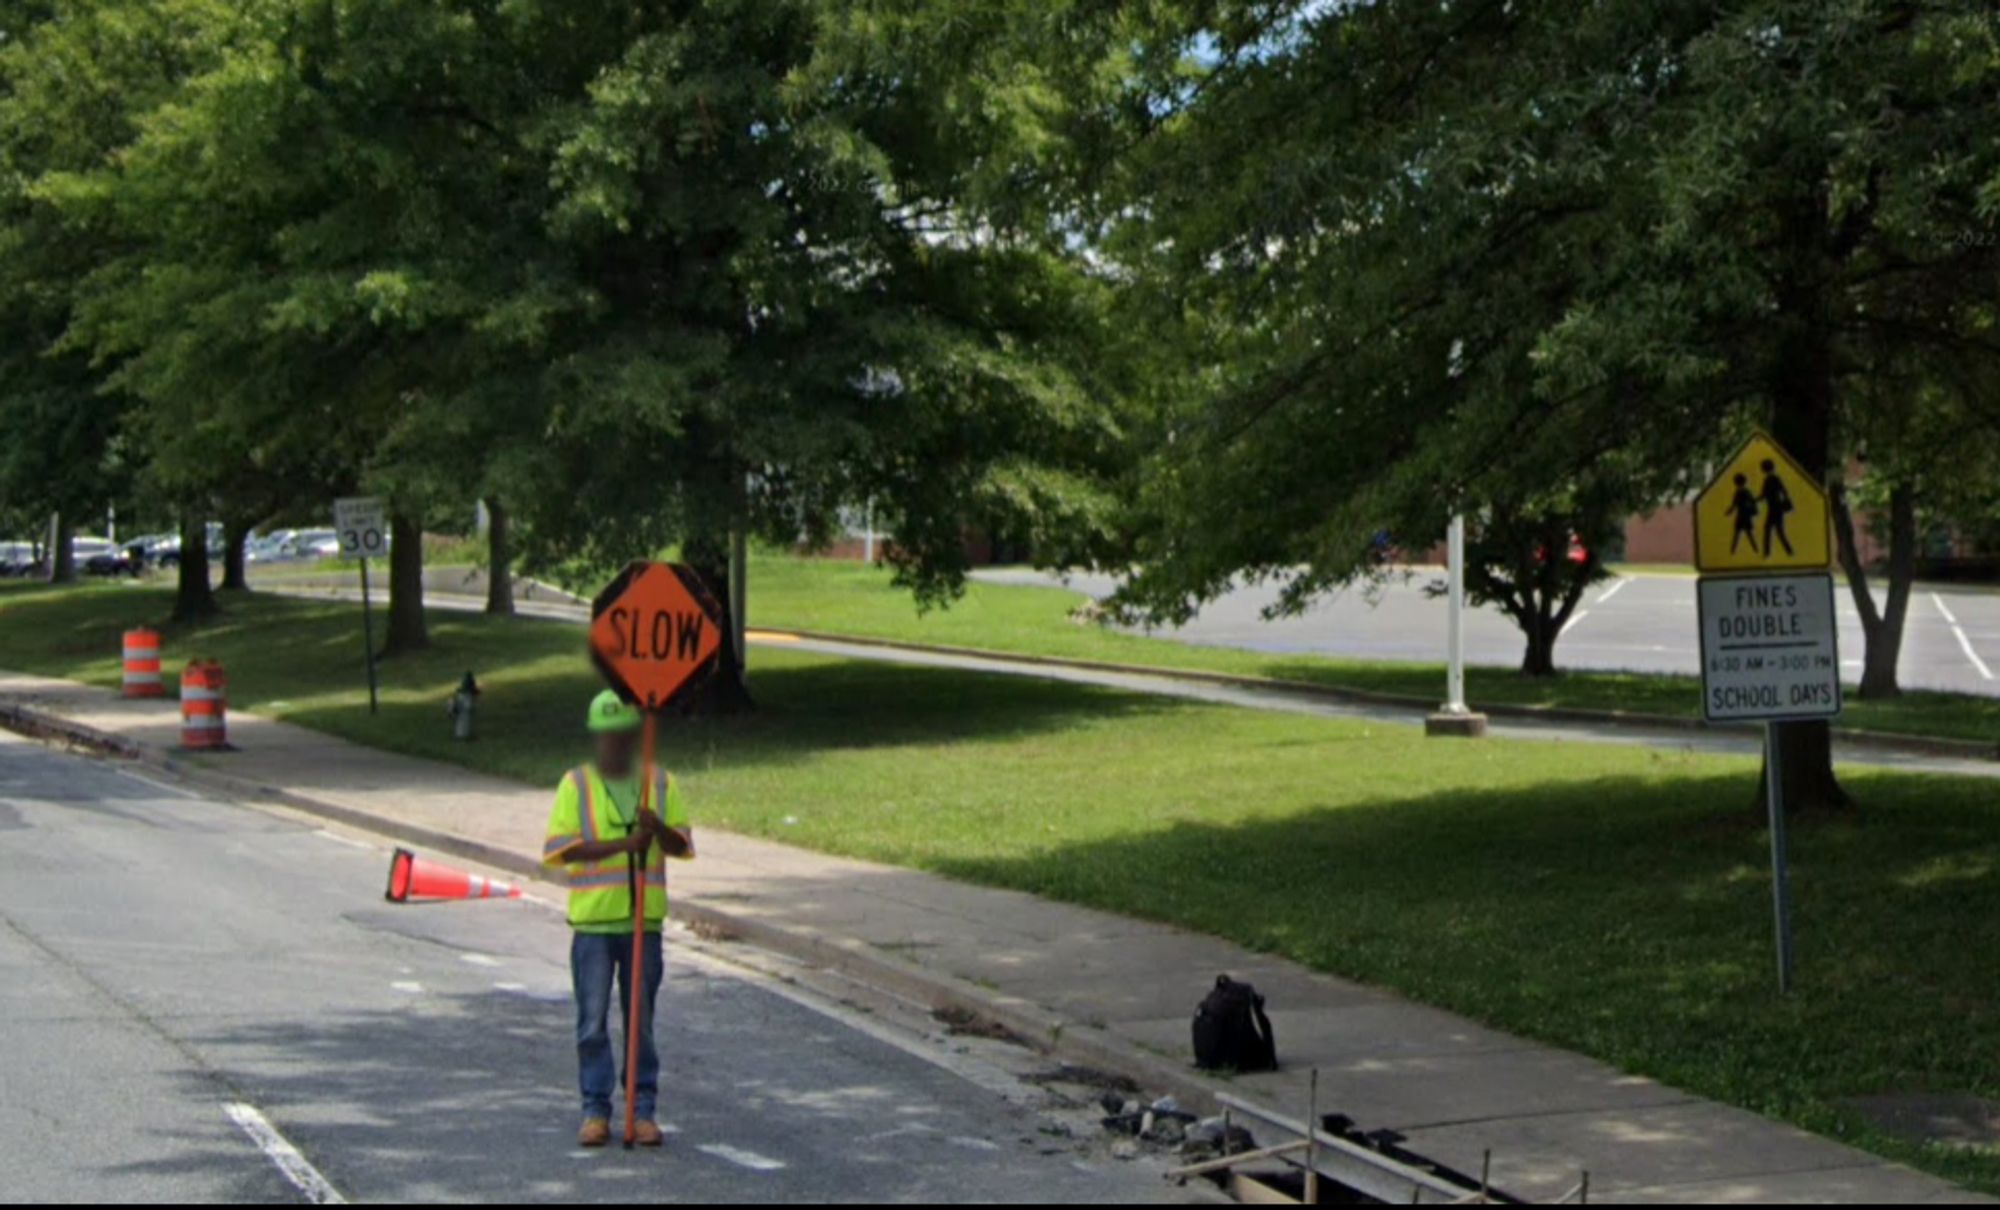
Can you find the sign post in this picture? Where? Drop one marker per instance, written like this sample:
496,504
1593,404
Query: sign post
360,523
1455,717
1781,891
1769,635
655,634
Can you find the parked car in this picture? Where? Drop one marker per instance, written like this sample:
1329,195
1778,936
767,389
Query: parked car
275,547
98,557
18,559
114,562
163,550
318,543
1576,552
144,550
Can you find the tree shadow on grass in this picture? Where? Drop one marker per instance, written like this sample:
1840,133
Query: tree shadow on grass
530,716
1612,916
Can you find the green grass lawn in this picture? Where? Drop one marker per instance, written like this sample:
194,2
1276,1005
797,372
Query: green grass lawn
1609,899
854,599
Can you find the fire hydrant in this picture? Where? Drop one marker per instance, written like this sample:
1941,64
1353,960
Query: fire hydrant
462,706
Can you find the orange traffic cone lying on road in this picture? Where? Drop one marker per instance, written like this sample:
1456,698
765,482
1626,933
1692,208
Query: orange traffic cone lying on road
411,877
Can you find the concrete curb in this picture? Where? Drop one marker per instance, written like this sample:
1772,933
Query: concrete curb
1915,745
944,994
1633,720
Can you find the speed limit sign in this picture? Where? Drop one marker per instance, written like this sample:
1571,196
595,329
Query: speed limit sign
362,525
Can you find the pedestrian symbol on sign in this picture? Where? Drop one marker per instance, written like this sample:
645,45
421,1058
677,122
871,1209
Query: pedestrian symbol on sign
1763,512
1743,506
1777,502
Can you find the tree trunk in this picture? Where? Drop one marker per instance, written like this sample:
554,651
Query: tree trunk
1540,659
62,550
194,597
406,587
1881,630
499,561
1802,388
236,540
725,691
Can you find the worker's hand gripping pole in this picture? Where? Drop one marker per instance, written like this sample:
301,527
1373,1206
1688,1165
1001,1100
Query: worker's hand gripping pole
634,1024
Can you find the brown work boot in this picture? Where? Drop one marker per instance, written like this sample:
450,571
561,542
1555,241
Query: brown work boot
596,1132
646,1134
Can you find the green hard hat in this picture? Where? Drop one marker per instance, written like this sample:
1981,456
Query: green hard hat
609,712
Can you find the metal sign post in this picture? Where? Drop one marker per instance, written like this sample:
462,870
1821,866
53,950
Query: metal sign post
1781,891
362,528
1769,634
368,638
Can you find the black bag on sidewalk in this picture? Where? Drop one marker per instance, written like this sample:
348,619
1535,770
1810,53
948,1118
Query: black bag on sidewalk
1231,1032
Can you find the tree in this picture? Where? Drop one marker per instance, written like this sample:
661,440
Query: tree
405,630
1928,463
1535,560
499,560
652,275
270,298
799,295
194,592
70,79
1459,252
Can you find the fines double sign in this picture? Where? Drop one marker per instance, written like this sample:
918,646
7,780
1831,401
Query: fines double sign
1769,639
1768,648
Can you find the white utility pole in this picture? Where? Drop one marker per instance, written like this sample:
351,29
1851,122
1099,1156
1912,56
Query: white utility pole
1455,717
1454,699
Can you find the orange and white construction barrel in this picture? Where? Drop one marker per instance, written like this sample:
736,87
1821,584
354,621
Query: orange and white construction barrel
142,664
204,706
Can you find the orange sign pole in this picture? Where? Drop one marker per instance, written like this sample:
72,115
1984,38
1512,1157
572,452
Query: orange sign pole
634,1024
655,633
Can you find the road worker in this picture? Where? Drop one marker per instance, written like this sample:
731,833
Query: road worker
595,830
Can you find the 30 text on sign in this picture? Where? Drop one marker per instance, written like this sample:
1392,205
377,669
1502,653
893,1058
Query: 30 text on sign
361,524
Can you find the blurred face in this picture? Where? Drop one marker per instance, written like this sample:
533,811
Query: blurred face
617,752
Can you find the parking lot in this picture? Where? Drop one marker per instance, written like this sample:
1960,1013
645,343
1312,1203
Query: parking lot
137,554
1641,622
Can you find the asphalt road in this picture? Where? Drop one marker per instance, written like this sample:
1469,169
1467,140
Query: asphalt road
205,1001
1640,623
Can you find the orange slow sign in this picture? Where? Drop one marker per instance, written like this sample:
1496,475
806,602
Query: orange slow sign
655,632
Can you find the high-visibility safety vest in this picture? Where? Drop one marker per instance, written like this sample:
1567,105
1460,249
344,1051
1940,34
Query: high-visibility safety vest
600,892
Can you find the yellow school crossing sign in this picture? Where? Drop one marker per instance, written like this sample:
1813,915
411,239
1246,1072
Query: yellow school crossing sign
1762,513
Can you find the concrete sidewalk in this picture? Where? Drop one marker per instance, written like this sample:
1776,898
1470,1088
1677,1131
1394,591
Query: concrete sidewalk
1096,988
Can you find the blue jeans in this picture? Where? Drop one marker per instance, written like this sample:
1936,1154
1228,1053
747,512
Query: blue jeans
593,959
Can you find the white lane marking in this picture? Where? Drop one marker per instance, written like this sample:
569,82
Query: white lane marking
1964,643
740,1157
410,986
337,838
1574,618
285,1157
510,987
479,959
1613,590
